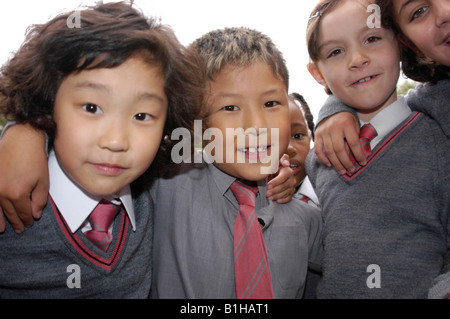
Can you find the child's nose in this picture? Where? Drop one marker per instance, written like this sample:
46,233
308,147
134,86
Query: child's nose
358,59
254,118
291,151
442,12
114,138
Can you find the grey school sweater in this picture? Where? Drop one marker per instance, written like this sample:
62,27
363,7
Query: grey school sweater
433,99
47,261
386,226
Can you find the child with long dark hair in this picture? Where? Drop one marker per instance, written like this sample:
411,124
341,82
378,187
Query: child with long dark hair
104,92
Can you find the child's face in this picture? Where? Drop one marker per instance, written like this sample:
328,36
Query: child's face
360,65
427,24
299,144
254,99
109,124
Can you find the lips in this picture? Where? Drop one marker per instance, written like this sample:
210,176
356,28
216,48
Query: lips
255,153
295,165
108,169
364,80
446,40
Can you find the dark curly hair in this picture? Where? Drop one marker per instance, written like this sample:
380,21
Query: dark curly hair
107,35
414,66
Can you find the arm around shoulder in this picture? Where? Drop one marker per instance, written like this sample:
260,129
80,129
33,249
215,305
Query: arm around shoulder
24,178
332,107
432,99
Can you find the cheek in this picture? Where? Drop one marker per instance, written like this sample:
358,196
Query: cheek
284,138
69,137
145,148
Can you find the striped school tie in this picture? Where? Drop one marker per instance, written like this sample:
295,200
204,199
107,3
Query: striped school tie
251,264
366,135
305,199
101,219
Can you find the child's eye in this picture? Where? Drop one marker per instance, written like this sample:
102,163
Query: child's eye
372,39
142,117
335,53
230,108
298,136
271,104
92,108
419,13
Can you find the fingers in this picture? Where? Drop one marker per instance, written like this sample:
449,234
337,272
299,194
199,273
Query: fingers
282,187
284,197
39,198
319,149
354,144
284,161
11,215
337,141
334,145
2,221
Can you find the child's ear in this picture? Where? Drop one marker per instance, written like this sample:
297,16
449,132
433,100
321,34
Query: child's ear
317,75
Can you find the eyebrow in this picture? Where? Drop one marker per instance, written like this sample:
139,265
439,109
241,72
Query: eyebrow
333,42
101,87
232,95
408,2
92,85
272,91
298,124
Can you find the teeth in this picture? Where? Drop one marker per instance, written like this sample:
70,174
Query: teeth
293,166
254,149
262,149
365,80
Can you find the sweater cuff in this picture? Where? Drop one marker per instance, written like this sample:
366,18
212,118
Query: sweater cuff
331,107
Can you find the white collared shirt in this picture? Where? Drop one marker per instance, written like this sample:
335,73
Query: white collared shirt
307,189
74,204
388,119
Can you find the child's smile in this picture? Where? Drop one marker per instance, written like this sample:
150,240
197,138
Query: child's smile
252,103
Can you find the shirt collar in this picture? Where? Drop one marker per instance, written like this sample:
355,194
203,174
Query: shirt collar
307,189
388,119
224,181
74,204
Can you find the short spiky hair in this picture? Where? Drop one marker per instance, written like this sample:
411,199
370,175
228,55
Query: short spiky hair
239,47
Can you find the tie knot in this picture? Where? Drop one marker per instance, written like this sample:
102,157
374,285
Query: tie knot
368,132
245,195
103,215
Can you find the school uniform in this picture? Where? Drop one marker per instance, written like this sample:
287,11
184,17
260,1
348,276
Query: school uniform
433,100
386,225
428,98
195,212
306,193
54,259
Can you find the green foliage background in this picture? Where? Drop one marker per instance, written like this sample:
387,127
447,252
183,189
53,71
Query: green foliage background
2,122
404,86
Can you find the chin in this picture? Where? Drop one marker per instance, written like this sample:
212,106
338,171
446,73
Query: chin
255,173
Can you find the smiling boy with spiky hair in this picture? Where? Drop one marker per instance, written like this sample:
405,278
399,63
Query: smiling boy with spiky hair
198,208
